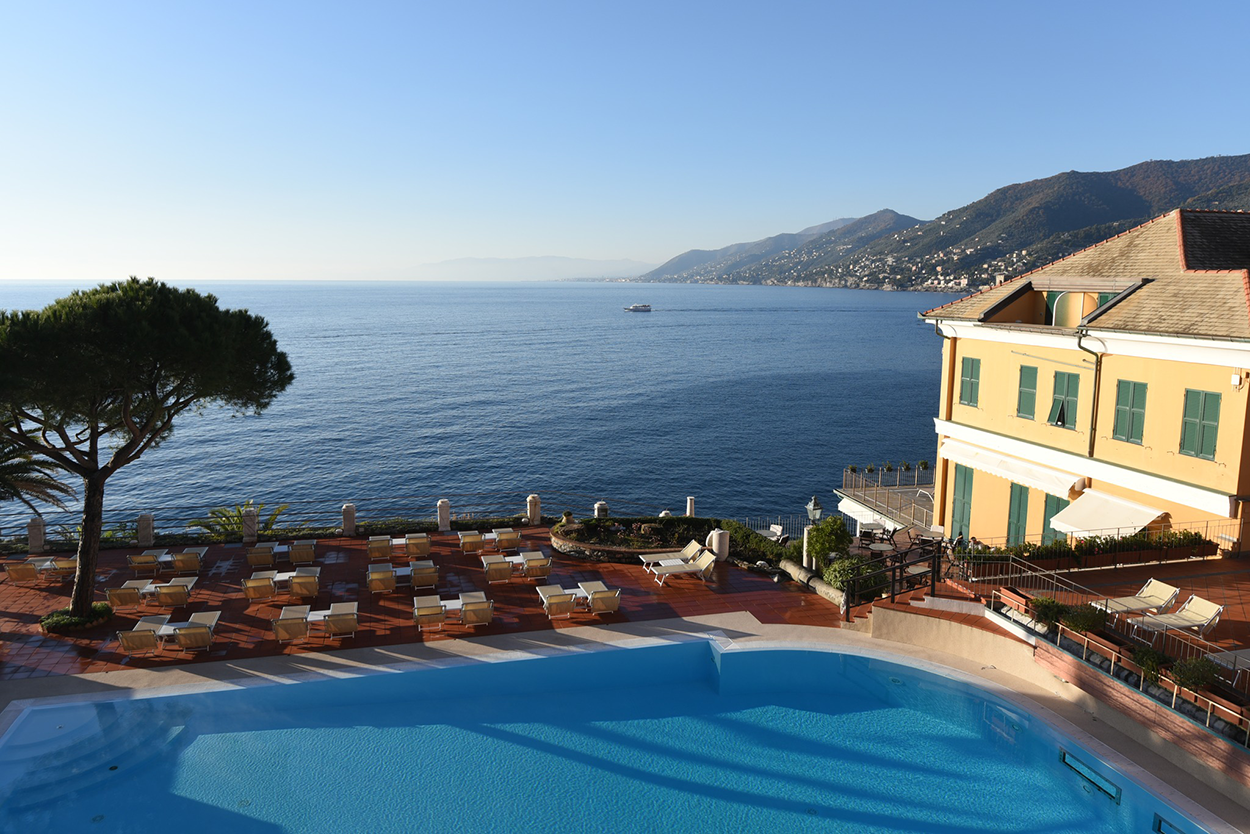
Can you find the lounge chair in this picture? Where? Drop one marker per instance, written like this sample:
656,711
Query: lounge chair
62,568
187,562
304,586
1153,596
193,638
472,543
424,574
380,550
208,619
417,545
538,568
381,580
290,629
687,554
260,557
429,612
23,572
1197,615
139,642
303,554
340,625
172,596
123,598
498,572
144,564
701,566
558,605
259,589
508,541
477,613
605,602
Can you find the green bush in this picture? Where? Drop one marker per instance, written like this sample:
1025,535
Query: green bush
828,538
61,621
844,569
1083,618
1194,673
1047,610
1151,662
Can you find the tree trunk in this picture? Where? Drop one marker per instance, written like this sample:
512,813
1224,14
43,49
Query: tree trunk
88,544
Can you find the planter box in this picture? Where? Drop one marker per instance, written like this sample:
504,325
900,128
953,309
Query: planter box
1016,600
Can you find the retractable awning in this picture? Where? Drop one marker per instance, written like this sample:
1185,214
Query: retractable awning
865,515
1031,475
1098,512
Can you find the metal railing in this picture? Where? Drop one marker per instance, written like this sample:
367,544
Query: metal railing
915,569
896,494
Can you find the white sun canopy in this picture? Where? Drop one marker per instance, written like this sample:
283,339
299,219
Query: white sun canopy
1031,475
1098,512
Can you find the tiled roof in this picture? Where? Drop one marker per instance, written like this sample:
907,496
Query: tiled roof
1194,268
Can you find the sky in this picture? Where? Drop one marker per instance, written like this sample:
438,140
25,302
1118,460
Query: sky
342,140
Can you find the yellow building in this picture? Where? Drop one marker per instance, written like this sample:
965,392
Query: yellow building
1103,393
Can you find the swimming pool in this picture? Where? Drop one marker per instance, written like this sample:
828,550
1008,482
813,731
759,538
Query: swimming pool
675,737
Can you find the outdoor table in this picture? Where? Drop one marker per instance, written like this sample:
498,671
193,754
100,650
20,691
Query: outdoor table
450,606
285,576
492,558
151,586
403,573
315,617
399,542
769,534
881,547
496,531
871,527
167,630
545,591
517,561
586,590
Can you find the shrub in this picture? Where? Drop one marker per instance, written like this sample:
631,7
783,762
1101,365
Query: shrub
922,465
828,538
1150,661
1194,673
228,521
1047,610
1083,618
844,569
61,620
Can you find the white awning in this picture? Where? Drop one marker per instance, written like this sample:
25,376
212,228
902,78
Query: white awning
865,515
1098,512
1031,475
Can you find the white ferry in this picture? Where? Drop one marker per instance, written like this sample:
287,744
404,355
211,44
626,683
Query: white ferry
638,308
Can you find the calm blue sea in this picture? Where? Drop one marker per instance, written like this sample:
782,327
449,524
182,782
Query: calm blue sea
752,399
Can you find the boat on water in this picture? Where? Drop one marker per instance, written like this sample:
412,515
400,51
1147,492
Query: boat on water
638,308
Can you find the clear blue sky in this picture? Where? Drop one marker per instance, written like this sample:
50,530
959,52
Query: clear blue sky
359,139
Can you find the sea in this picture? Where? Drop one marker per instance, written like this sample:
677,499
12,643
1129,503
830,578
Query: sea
752,399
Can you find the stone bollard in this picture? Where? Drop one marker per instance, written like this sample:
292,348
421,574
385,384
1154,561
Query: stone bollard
534,511
349,520
689,506
444,515
601,509
250,526
718,543
35,541
665,514
809,561
147,530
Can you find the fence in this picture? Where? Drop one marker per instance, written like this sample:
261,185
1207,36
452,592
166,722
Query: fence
903,495
791,525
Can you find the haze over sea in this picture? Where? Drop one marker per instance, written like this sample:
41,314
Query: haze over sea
750,398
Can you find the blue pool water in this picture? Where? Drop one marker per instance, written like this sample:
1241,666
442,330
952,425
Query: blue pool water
679,737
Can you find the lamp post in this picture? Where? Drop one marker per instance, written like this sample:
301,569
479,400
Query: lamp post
814,510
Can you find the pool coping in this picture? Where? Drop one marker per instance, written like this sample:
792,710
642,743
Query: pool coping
738,631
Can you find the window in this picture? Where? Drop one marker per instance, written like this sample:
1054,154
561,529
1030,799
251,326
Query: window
1053,505
1130,411
1199,424
961,503
1018,514
1026,400
969,381
1063,408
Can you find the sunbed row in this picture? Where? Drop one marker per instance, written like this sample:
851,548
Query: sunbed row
1196,614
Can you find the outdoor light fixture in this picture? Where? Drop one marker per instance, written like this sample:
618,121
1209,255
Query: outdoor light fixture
814,510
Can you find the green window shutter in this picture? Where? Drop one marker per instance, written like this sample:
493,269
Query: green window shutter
1190,422
1210,424
1200,423
961,504
1063,405
1104,297
1018,514
1137,427
1026,401
1130,411
1053,505
969,381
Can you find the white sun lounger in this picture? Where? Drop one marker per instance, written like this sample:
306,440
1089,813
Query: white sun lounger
1197,615
701,566
686,555
1153,596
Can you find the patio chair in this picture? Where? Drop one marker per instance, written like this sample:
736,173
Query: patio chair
472,543
477,613
380,551
304,586
381,580
260,557
255,589
1197,615
417,545
208,619
1153,596
537,567
605,602
303,554
193,638
172,596
498,572
689,553
187,562
62,568
138,642
340,625
701,567
119,598
558,605
144,564
429,616
290,629
508,541
23,572
424,574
